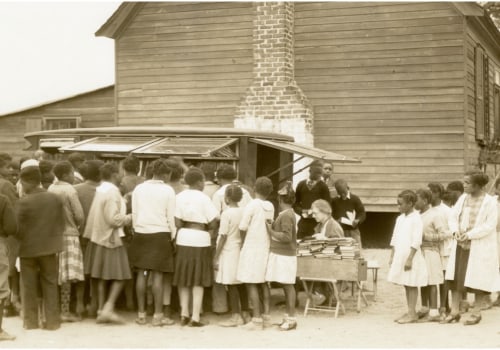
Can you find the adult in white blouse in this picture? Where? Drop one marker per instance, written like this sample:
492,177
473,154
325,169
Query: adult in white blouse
195,218
473,263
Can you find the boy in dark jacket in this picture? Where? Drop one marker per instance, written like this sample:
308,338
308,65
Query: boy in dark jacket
41,225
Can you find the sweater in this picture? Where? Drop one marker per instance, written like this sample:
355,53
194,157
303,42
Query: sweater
73,212
284,239
305,196
40,216
341,206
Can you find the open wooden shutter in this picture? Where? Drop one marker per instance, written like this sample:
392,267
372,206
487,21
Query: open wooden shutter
479,84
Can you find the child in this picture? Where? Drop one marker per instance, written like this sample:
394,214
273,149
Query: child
434,231
227,253
407,264
282,263
255,251
71,258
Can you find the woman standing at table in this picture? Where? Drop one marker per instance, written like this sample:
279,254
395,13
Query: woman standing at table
194,218
473,262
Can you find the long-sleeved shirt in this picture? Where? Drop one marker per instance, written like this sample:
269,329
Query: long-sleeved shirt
153,207
284,237
73,212
351,203
305,195
8,190
86,194
107,217
40,217
8,223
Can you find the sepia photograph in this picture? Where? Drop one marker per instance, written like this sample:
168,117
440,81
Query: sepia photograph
249,174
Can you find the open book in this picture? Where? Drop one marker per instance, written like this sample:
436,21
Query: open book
349,217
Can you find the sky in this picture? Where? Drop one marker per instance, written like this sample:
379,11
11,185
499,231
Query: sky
48,51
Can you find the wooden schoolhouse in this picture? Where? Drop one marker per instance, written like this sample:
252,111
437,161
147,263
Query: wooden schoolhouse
411,88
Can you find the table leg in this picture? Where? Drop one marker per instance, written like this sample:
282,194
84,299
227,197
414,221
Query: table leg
375,280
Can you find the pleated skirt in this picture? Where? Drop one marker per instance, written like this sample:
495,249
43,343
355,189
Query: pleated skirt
152,251
70,260
193,267
107,263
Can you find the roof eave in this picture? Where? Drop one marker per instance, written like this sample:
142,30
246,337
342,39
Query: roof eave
119,20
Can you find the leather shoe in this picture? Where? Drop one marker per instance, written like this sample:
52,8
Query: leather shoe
184,320
472,320
193,323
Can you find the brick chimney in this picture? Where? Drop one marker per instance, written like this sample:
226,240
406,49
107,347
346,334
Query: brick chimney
274,101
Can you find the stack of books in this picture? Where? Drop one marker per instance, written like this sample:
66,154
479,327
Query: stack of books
333,248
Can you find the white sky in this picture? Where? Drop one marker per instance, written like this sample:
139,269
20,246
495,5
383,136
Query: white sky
48,51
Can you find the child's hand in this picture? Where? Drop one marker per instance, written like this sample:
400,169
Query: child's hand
408,264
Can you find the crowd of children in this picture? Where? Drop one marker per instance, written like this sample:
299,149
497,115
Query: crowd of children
446,240
81,234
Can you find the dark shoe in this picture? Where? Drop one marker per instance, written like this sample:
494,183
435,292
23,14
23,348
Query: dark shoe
193,323
422,313
429,318
450,319
52,327
10,311
184,320
472,320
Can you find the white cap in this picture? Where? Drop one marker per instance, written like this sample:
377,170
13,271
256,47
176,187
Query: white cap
29,162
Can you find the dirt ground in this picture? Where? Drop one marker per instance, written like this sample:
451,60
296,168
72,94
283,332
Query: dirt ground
373,327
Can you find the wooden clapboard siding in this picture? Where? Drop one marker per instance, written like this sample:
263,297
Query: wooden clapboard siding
386,81
184,64
95,109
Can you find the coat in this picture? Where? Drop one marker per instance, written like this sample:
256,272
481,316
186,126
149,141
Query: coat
482,268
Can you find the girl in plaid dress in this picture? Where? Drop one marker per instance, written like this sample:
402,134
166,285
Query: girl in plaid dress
71,258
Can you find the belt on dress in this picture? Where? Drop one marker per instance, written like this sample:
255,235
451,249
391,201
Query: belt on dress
194,225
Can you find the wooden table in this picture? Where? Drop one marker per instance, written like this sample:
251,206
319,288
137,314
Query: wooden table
311,270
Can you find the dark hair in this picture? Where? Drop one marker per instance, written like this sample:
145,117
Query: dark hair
62,168
46,166
234,193
451,197
31,175
455,186
177,169
226,172
425,194
408,196
148,173
90,170
160,167
478,178
436,188
76,159
194,175
107,170
5,159
286,193
340,182
131,164
263,186
317,163
316,170
208,169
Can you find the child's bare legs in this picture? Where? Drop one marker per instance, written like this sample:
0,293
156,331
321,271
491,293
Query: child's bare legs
101,294
129,294
197,302
443,298
114,293
425,298
253,297
157,292
266,297
411,299
290,297
93,297
80,290
184,300
167,294
140,289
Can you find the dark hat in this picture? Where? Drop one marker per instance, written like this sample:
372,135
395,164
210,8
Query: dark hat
31,174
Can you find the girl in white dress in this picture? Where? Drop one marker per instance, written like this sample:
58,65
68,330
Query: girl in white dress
407,264
227,253
255,250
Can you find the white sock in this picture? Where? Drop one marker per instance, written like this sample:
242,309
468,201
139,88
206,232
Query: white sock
433,312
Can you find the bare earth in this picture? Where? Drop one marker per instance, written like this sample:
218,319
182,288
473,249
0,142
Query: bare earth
372,327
